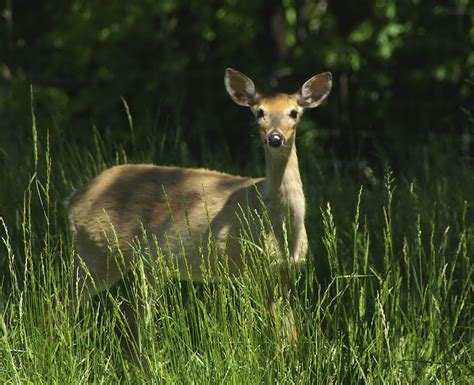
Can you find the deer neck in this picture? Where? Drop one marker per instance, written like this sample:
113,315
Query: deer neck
284,198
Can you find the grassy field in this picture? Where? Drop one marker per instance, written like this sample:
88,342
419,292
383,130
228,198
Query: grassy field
385,296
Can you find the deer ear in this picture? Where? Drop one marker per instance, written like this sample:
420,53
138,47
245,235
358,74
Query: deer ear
315,90
240,88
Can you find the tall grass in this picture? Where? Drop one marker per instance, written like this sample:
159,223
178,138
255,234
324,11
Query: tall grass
385,296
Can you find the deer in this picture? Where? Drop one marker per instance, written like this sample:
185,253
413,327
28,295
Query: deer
182,206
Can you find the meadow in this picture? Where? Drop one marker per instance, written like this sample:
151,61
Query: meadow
385,297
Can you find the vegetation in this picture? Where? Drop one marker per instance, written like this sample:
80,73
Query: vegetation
402,69
385,296
386,161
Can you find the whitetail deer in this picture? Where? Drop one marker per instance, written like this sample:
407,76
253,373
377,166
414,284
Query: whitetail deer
181,206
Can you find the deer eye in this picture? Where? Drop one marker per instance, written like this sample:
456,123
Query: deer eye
260,113
293,114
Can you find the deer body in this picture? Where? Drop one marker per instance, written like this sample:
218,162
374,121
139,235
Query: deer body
182,207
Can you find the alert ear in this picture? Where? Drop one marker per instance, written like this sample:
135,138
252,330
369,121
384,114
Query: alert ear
315,90
240,88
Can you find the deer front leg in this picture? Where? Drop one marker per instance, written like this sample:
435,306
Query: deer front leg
281,304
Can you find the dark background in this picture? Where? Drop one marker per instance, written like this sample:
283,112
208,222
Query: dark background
403,72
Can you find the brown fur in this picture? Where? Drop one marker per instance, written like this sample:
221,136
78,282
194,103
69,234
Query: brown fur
169,202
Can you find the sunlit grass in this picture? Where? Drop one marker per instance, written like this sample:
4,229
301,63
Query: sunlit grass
384,297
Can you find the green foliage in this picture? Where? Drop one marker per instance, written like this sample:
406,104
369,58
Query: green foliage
384,296
400,68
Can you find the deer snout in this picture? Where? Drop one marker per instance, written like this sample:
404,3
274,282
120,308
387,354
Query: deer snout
275,139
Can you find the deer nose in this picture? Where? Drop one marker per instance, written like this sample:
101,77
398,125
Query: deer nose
275,139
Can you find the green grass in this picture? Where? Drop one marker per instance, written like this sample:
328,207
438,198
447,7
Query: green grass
385,296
